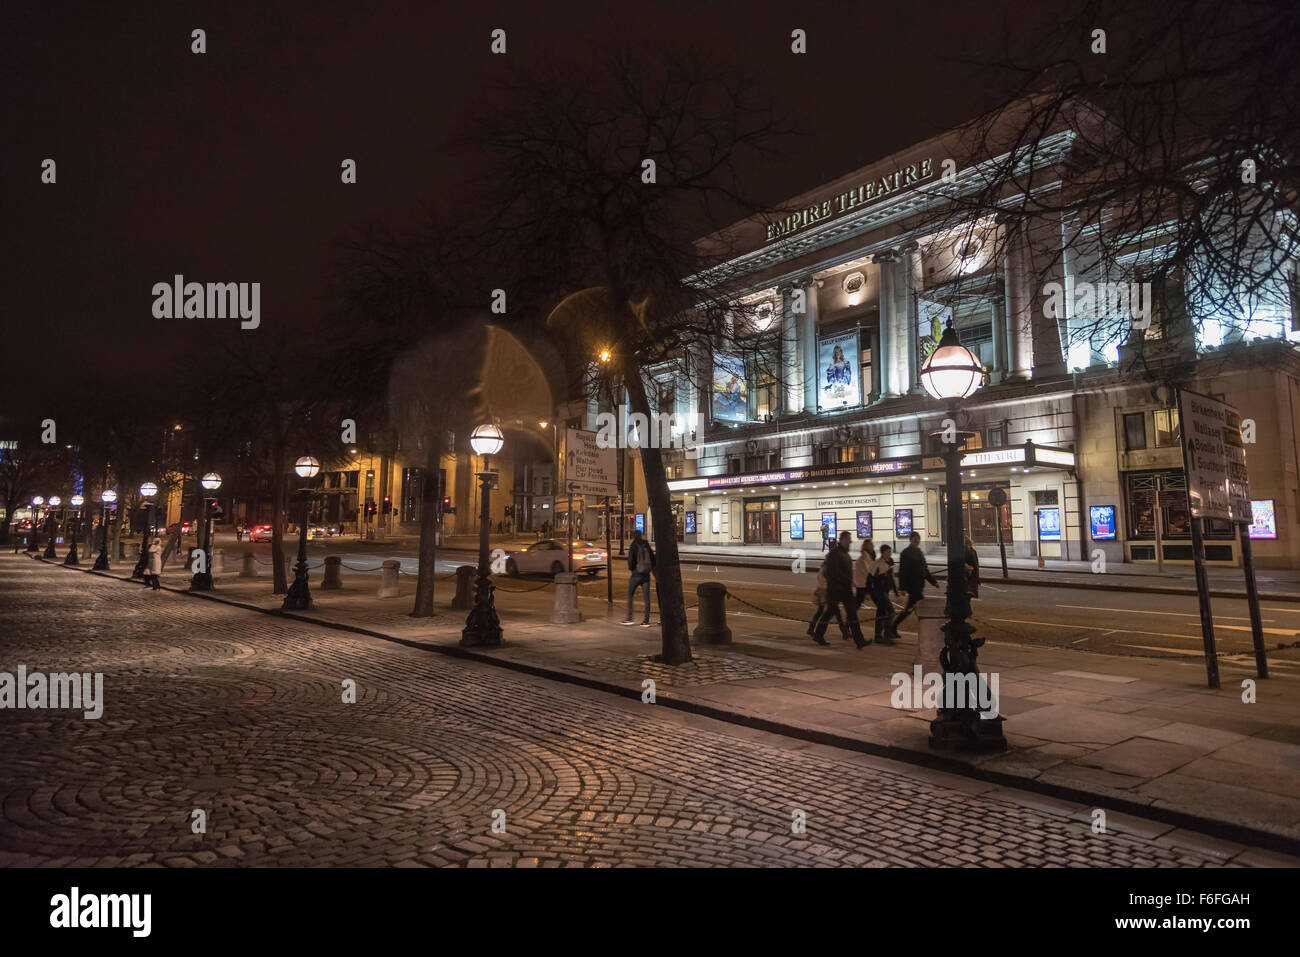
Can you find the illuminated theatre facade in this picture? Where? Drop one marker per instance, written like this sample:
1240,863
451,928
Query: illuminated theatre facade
841,296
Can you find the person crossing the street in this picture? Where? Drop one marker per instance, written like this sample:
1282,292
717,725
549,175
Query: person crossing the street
913,573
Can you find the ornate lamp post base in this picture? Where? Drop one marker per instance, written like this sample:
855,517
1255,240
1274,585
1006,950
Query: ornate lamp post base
72,558
202,581
483,627
299,595
964,730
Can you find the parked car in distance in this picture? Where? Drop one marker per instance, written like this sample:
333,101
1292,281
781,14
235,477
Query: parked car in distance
549,557
259,533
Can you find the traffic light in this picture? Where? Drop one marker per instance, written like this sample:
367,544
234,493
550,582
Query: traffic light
388,505
446,502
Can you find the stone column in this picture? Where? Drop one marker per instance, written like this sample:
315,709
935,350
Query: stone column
1020,342
876,359
910,267
1045,263
791,354
893,327
998,309
809,327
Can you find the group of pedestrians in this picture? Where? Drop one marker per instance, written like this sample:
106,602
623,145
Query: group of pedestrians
844,583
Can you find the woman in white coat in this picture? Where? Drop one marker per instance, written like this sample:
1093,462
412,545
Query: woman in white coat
862,568
155,564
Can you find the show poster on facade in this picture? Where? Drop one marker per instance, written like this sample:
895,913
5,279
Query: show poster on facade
1215,458
931,318
640,522
828,519
838,364
730,392
690,523
1263,519
1103,522
864,525
1049,524
902,523
796,525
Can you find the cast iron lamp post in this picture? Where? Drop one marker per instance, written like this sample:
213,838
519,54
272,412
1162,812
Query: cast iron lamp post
51,526
77,501
147,491
106,498
202,581
299,596
952,373
37,502
482,627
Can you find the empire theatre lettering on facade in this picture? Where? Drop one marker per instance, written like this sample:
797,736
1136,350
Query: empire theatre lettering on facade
818,419
867,192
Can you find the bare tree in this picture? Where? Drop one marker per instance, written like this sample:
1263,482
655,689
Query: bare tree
1156,148
598,188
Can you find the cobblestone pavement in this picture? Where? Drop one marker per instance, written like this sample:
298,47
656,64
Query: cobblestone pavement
241,715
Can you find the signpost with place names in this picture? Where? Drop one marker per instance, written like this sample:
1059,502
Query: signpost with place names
588,470
1218,487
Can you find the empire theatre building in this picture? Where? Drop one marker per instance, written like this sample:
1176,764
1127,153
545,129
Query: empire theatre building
812,413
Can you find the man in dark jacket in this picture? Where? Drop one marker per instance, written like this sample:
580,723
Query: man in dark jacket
913,573
839,591
640,562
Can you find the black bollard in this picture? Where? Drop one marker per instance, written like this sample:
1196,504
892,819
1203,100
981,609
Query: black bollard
464,586
712,628
333,572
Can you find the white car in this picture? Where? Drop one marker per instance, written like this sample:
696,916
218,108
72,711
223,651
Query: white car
549,557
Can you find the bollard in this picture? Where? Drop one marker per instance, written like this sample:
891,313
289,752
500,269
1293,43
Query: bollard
248,570
388,583
218,561
930,620
712,621
333,572
464,586
566,611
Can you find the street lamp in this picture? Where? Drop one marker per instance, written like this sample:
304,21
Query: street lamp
51,525
37,502
72,559
299,596
147,491
202,581
952,373
106,498
482,627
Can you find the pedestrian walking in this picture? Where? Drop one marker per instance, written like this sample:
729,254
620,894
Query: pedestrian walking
640,562
862,571
913,573
826,531
881,582
819,598
839,591
155,564
972,570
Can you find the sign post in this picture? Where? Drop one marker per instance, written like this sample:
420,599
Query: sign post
1038,536
1216,488
588,470
1243,518
609,559
998,498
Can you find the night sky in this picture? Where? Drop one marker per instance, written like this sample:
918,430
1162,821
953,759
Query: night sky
225,166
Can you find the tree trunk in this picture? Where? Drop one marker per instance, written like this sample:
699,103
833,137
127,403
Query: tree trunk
428,536
279,517
668,569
